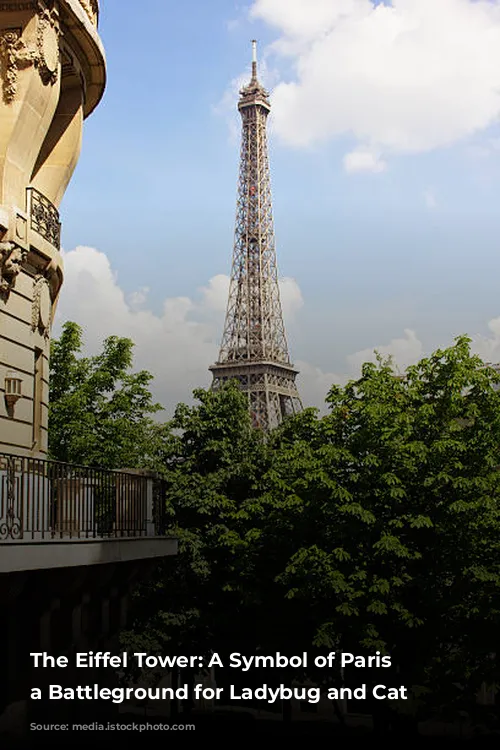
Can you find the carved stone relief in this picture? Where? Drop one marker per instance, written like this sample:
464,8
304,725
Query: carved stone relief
91,8
48,43
16,55
12,258
41,317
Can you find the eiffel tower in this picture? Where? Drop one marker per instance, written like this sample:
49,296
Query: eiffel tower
254,349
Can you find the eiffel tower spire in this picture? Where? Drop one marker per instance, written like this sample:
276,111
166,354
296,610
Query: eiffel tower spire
254,348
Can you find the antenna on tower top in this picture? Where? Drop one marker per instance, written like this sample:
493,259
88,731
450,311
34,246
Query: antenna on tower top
254,59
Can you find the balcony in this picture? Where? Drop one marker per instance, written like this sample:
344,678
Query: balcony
54,514
44,217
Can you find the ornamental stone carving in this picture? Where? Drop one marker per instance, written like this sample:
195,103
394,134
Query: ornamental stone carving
16,55
47,57
12,258
91,8
42,307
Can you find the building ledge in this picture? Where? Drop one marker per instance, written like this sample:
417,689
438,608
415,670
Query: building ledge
65,553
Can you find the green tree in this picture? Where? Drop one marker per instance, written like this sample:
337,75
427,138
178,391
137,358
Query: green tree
100,413
220,593
396,508
374,527
213,461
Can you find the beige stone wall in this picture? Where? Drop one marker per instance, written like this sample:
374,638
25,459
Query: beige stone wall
52,76
18,347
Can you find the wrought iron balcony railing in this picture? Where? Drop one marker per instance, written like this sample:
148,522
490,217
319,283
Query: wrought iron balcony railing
44,217
47,500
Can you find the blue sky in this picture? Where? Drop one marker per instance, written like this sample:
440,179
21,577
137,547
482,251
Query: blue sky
385,157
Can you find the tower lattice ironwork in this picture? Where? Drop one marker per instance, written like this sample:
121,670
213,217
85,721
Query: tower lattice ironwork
254,348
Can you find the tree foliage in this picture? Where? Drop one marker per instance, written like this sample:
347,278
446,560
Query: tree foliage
397,492
374,527
100,412
213,459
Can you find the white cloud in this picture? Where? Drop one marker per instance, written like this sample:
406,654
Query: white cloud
488,347
291,298
227,106
406,351
139,297
177,345
314,383
363,160
430,199
216,293
173,346
406,77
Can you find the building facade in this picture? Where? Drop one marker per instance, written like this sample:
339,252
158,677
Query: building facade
53,77
74,540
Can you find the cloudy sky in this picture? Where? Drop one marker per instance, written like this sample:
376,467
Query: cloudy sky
385,157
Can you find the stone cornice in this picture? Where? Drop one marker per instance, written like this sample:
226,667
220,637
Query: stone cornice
78,22
78,27
18,6
91,8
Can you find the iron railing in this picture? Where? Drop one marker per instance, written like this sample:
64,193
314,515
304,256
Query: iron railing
44,217
43,500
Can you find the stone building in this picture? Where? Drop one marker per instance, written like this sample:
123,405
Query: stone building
53,77
73,541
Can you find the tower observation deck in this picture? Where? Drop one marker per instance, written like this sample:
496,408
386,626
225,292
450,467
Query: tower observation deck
254,349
